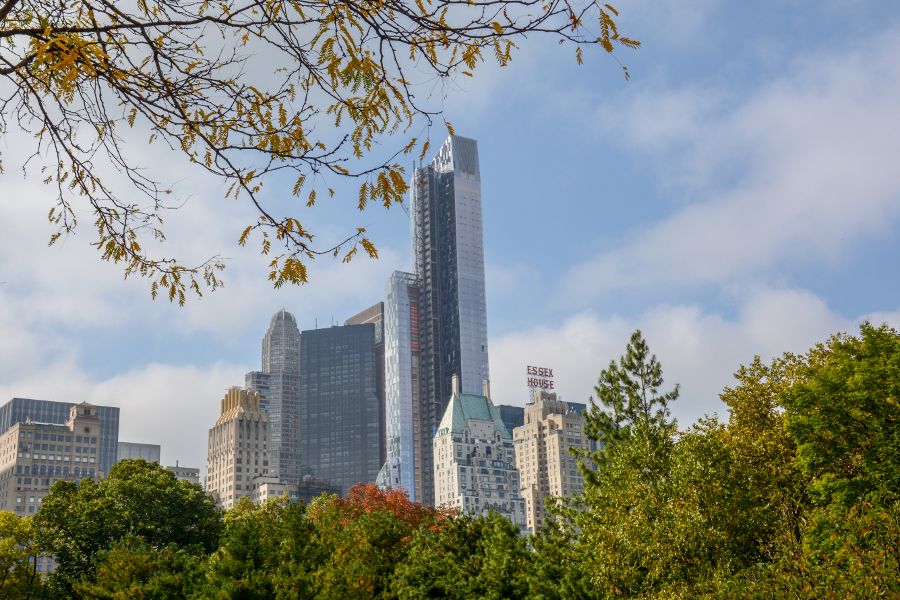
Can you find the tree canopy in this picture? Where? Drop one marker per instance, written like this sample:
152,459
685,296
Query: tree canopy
247,89
765,504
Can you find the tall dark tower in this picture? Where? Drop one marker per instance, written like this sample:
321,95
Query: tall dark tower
448,241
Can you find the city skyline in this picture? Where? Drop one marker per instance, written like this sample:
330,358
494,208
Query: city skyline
714,201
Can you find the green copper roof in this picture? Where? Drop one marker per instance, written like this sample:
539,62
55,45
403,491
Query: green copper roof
463,407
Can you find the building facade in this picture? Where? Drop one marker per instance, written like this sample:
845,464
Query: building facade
238,447
546,466
278,387
148,452
375,315
449,260
342,437
35,455
18,410
403,415
474,463
513,416
182,473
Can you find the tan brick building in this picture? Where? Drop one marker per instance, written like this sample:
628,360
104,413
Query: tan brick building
238,447
34,456
546,468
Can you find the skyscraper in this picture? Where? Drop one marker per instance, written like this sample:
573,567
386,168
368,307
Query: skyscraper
18,410
403,423
375,315
341,432
449,258
278,385
238,447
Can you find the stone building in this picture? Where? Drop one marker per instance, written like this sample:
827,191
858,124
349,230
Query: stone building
542,443
474,465
238,448
34,456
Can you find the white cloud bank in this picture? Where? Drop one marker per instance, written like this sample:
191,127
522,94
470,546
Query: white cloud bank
698,349
794,173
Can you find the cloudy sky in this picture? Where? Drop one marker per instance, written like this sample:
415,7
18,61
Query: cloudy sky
739,196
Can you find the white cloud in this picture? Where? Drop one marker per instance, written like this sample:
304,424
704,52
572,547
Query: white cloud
697,348
795,173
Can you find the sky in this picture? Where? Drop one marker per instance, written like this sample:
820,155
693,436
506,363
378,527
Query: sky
738,196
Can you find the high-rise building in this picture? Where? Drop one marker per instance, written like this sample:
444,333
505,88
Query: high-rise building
375,315
542,443
238,447
149,452
278,386
35,455
513,416
474,464
403,422
449,258
259,383
341,434
18,410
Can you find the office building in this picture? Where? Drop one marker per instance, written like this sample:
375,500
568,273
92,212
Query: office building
513,416
259,383
403,420
238,447
449,262
375,315
148,452
18,410
474,464
546,466
34,455
278,388
182,473
341,435
308,488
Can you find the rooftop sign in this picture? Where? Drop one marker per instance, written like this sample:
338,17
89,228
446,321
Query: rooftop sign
540,377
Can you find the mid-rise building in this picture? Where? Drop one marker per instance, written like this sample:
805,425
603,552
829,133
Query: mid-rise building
542,448
148,452
182,473
449,260
35,455
375,315
238,448
339,408
474,463
403,412
19,410
278,388
308,488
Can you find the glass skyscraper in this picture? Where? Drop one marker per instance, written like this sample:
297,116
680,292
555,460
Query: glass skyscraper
401,366
449,258
339,408
18,410
278,385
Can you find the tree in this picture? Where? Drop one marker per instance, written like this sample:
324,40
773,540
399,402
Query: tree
365,536
467,557
18,557
247,89
628,393
78,522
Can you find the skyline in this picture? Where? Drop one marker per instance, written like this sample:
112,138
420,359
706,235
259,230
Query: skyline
673,203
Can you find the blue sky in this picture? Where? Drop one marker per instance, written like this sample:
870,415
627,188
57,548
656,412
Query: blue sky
739,196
